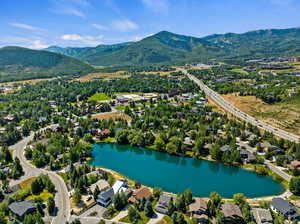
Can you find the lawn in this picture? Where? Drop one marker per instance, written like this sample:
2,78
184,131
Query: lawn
121,108
167,220
99,97
108,140
144,218
64,176
239,70
44,196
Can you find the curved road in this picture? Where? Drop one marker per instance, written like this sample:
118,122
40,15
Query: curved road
239,114
61,197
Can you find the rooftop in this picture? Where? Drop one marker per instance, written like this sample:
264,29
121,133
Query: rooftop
21,208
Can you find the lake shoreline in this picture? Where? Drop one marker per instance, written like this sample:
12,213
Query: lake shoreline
149,159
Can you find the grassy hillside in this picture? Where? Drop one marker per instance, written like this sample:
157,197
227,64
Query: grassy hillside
167,48
18,63
86,52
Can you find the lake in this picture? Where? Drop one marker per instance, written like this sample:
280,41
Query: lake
175,174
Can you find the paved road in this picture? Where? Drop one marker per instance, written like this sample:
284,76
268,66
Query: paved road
239,114
272,167
278,171
61,197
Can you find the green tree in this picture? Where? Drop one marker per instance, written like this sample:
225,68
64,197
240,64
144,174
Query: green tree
101,221
171,207
77,196
214,203
96,192
133,214
239,199
51,205
294,185
188,196
159,143
157,192
180,203
148,209
178,218
171,148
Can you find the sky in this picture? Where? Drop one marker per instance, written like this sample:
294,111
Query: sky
38,24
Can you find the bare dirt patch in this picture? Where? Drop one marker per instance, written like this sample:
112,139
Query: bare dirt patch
284,115
31,81
113,115
103,76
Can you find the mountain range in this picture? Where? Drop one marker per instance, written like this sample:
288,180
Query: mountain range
17,63
169,48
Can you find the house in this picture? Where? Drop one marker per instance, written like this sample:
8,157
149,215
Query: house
225,148
264,145
262,216
105,197
247,156
20,209
294,165
2,130
120,185
103,133
289,158
188,141
232,213
198,210
285,208
267,147
143,192
164,200
102,185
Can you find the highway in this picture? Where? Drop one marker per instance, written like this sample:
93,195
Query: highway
61,197
217,98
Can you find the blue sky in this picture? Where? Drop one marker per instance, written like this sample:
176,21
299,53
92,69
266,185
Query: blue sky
41,23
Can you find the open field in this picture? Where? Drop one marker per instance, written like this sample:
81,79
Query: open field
104,76
99,97
239,70
31,81
113,115
284,115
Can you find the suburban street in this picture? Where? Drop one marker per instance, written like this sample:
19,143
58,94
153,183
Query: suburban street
272,167
217,98
61,197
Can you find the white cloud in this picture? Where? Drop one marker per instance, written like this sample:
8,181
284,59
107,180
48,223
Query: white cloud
99,27
33,42
160,6
71,37
89,40
124,25
69,7
37,44
25,26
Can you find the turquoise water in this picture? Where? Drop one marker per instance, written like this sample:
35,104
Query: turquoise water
175,174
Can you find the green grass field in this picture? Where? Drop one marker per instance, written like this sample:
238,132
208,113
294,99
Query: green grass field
45,195
99,97
143,219
239,70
